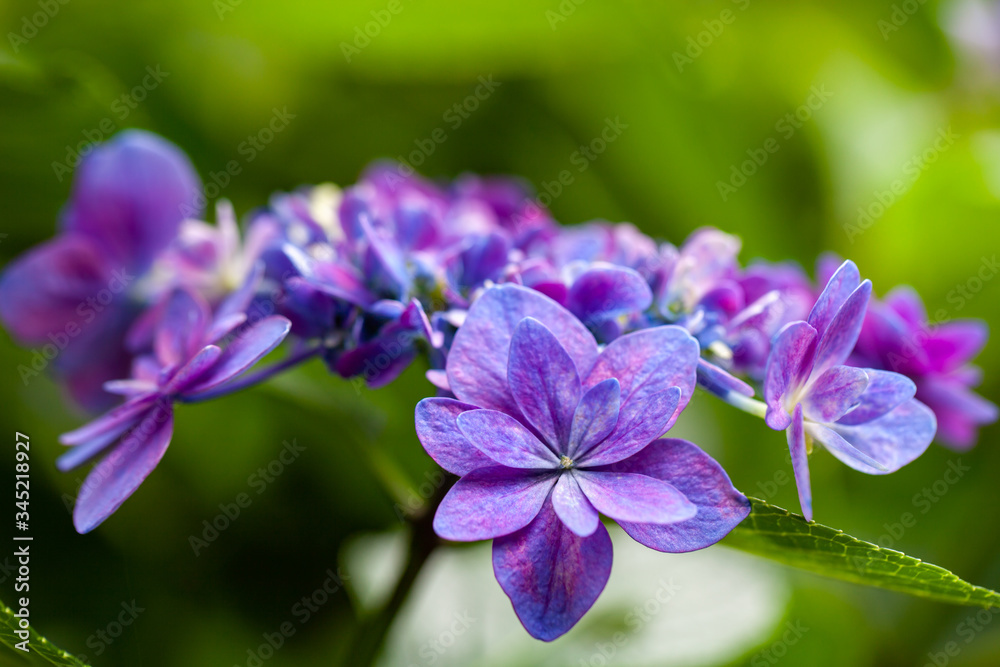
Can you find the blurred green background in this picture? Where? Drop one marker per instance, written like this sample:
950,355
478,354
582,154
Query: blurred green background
698,87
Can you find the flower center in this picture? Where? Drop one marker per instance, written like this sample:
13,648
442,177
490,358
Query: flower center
565,462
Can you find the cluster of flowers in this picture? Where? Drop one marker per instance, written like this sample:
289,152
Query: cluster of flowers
559,356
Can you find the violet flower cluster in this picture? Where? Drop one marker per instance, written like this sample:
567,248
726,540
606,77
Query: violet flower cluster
557,357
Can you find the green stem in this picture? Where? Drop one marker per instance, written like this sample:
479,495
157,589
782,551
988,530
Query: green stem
423,541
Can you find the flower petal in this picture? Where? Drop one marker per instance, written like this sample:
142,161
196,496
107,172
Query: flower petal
193,370
595,417
438,432
638,424
633,497
182,327
121,472
131,194
606,291
800,462
840,286
702,481
551,575
543,381
720,382
477,361
572,506
788,362
243,353
647,364
882,445
837,342
885,391
505,440
109,421
834,393
490,502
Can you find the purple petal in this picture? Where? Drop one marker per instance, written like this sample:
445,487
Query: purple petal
572,506
121,472
638,424
438,432
181,331
960,412
840,286
883,445
551,575
800,462
632,497
232,311
719,382
490,502
702,481
952,344
788,362
41,291
543,381
477,361
243,353
834,393
906,303
595,418
109,421
647,364
103,438
505,440
193,371
885,391
837,342
130,194
604,292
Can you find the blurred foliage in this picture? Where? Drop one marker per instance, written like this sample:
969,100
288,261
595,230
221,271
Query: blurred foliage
565,67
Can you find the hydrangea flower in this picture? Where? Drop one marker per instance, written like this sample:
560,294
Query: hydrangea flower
185,365
75,291
897,337
865,417
547,432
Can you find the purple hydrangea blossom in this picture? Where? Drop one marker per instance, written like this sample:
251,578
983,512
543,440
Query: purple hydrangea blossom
185,364
77,291
896,336
865,417
547,432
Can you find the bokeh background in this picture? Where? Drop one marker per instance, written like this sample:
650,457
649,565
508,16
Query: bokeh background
695,88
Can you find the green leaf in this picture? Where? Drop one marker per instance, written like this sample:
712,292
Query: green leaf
778,534
9,624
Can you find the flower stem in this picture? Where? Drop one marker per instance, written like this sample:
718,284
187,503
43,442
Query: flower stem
254,378
746,404
372,631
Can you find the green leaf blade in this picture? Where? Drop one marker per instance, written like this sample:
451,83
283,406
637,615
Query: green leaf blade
776,533
9,624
